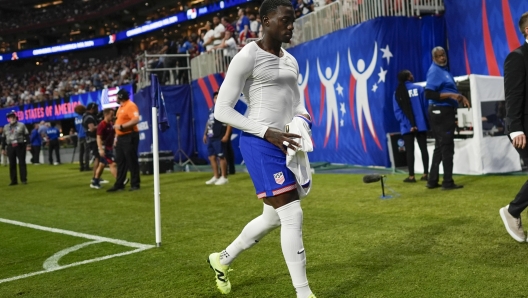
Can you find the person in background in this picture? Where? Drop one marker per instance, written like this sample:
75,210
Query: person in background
219,31
216,136
444,98
89,123
73,137
230,48
242,26
303,7
105,144
84,152
410,109
3,156
127,143
36,143
254,25
228,26
209,36
516,96
53,134
169,47
15,138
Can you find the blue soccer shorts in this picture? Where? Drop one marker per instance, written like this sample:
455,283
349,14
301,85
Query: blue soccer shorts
216,148
266,165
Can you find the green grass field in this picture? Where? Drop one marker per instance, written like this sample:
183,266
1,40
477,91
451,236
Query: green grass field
424,243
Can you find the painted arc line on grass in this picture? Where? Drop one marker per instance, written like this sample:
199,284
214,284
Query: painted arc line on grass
74,264
76,234
53,261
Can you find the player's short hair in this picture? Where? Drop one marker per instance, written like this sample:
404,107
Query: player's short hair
215,94
269,6
436,49
107,111
523,22
404,75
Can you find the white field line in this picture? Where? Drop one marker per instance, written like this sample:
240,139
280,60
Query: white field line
75,234
51,264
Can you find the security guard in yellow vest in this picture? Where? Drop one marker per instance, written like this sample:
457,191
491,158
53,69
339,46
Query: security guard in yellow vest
16,139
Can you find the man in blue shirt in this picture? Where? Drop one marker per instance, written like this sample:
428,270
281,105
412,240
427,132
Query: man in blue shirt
53,143
444,98
36,142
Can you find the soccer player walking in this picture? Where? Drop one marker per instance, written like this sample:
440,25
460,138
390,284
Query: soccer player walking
267,75
105,145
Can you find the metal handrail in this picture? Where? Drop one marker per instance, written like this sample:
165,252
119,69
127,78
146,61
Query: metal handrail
144,68
327,19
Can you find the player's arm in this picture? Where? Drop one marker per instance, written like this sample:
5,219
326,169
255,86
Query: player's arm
26,138
239,70
204,139
225,138
398,113
129,125
434,82
91,127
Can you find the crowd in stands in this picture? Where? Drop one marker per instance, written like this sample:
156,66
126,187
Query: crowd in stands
64,11
69,77
64,78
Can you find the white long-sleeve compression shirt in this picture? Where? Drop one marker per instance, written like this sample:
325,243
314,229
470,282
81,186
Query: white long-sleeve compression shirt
269,85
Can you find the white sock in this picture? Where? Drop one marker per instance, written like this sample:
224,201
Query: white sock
291,217
251,234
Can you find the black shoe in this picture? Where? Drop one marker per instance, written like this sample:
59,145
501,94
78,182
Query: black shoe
81,169
88,169
452,186
13,183
410,180
114,189
432,186
134,188
24,182
424,178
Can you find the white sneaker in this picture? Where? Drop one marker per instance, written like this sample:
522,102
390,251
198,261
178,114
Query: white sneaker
211,181
55,163
513,225
221,181
104,181
96,186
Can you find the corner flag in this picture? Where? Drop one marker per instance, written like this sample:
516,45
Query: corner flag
159,102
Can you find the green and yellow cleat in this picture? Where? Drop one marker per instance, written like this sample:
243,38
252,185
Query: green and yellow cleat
221,271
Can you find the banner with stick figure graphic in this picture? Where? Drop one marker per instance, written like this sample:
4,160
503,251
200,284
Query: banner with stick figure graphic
347,80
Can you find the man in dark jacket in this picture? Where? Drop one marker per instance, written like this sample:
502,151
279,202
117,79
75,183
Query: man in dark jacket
516,91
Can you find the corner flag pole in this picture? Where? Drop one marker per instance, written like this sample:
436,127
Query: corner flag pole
155,155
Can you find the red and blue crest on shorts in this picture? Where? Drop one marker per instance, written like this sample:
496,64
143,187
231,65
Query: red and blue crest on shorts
279,178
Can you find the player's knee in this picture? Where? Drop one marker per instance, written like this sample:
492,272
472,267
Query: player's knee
291,215
274,222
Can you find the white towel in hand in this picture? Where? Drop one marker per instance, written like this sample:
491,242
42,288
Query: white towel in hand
297,160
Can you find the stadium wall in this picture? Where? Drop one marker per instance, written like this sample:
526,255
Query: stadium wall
480,42
347,79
